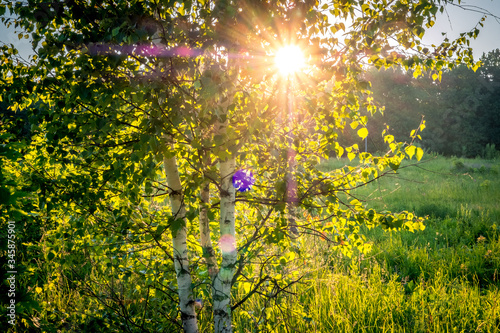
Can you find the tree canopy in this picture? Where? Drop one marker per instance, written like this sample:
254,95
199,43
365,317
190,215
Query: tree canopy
460,110
139,113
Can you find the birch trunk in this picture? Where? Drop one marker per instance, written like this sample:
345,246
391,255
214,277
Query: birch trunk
223,281
292,199
205,239
179,235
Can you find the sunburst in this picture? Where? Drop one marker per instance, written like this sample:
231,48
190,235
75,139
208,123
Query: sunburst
289,59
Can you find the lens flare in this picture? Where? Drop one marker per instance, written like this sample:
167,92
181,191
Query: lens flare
227,244
243,180
289,59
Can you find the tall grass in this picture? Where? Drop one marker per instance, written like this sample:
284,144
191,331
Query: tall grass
371,299
444,279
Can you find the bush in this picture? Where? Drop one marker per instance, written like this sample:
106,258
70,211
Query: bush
490,152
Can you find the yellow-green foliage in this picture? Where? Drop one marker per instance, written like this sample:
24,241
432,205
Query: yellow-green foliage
442,279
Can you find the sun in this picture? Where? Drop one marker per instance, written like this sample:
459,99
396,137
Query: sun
289,59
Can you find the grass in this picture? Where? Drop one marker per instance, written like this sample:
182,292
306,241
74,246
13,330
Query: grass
438,187
443,279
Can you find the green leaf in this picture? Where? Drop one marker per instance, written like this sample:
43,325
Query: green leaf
4,195
394,166
420,153
339,150
247,287
363,132
410,151
182,10
422,126
176,225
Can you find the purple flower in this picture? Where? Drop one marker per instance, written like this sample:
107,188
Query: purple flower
243,180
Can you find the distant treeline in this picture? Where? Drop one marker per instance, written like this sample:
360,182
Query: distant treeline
462,112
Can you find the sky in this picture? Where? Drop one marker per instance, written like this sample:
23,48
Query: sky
457,20
453,22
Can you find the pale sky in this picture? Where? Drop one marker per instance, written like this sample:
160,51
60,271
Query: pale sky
458,20
455,21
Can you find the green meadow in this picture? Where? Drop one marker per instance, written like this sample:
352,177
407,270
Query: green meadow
443,279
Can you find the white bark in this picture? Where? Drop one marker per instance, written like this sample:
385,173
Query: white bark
205,239
292,168
223,281
292,192
179,235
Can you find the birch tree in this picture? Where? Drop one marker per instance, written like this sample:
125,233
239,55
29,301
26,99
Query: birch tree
133,102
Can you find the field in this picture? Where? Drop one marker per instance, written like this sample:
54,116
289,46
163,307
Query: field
443,279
